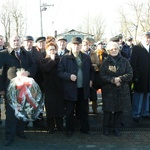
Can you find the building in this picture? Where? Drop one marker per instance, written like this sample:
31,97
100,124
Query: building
72,33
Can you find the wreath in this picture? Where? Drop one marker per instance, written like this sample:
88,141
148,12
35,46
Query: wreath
25,97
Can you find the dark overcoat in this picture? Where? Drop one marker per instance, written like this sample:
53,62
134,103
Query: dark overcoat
9,64
68,66
53,88
37,56
140,62
116,98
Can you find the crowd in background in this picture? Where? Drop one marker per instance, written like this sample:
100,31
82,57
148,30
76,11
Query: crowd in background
69,76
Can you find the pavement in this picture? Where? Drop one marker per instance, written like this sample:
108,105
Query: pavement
134,136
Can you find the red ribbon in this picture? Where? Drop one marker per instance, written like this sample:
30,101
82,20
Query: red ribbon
23,91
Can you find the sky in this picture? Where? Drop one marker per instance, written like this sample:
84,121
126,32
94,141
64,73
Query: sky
67,14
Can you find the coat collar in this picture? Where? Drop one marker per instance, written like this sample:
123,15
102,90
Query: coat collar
10,50
83,56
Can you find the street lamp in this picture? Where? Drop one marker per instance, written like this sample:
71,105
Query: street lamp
43,7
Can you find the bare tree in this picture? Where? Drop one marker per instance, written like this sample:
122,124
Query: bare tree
12,18
94,25
136,20
5,21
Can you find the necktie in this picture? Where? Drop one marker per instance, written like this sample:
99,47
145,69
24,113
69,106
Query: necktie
18,54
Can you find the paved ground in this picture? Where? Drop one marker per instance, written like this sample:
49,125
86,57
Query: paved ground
44,141
134,137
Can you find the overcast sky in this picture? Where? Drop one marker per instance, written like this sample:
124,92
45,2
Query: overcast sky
68,14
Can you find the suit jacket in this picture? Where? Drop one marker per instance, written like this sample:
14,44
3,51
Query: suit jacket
9,64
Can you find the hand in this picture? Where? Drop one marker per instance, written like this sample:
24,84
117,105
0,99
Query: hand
118,84
52,56
117,80
25,73
73,77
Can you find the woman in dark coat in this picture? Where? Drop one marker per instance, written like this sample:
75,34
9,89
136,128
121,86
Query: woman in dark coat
52,88
116,73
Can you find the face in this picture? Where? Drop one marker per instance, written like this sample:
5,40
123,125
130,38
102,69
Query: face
1,41
85,46
129,43
76,47
62,44
15,42
41,44
113,50
145,40
51,50
99,46
28,44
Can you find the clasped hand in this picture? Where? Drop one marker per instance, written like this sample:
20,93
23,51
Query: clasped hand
117,81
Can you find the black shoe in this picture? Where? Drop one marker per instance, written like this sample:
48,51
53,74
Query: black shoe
60,129
137,120
146,117
8,142
106,131
117,132
87,132
69,133
22,136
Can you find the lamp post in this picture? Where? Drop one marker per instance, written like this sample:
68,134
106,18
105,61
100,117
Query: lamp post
43,7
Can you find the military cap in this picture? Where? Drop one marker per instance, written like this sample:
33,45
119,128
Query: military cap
26,38
146,33
61,38
76,40
41,38
100,42
115,39
129,38
120,36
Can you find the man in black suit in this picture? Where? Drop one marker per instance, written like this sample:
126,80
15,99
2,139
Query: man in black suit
9,63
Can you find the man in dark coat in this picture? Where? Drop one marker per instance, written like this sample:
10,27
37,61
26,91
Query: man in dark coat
62,44
140,62
40,45
37,56
76,71
10,61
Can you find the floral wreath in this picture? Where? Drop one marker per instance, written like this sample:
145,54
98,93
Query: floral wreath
25,97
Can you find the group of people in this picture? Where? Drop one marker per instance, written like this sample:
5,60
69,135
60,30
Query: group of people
68,79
